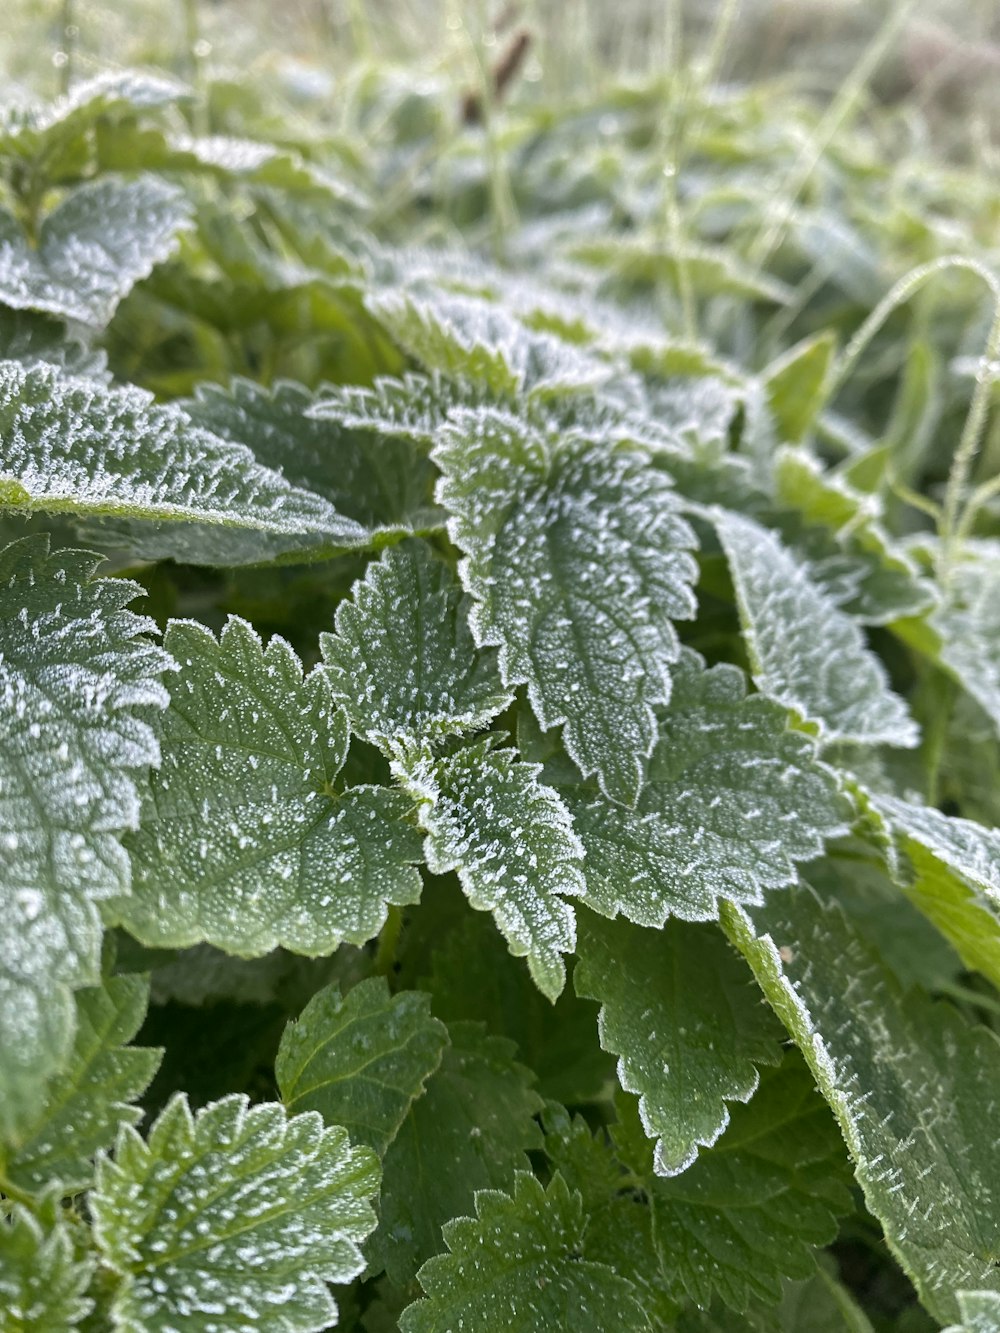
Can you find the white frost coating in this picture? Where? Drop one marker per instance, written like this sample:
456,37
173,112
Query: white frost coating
914,1088
733,800
244,842
70,444
511,841
578,562
403,663
980,1312
966,847
808,654
232,1220
92,249
74,665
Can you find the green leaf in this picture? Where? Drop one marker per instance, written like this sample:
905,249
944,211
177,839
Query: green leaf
806,653
510,838
470,1130
413,408
232,1217
913,1087
92,248
968,624
85,1103
362,1059
753,1207
518,1265
819,1304
980,1312
733,800
796,384
381,489
644,260
838,530
245,842
955,879
42,1284
44,132
682,1013
75,666
403,663
577,561
468,338
29,338
70,445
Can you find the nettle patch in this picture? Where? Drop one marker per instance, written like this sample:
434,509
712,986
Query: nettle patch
538,820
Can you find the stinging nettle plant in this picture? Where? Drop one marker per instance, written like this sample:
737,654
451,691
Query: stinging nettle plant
508,841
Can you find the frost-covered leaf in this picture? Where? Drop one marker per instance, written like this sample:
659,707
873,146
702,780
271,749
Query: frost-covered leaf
684,1016
245,842
414,407
838,530
518,1265
74,667
806,653
968,624
90,1097
914,1088
360,1059
403,663
92,248
42,1283
468,338
954,877
381,488
71,445
818,1304
470,1130
31,131
980,1312
29,337
510,838
733,800
578,562
235,1218
796,384
754,1207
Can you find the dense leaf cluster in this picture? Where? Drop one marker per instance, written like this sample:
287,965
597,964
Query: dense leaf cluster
518,813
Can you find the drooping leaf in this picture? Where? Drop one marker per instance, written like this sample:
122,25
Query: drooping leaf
733,800
87,1101
42,1283
955,879
755,1206
70,445
403,663
510,838
75,665
245,842
517,1265
913,1087
92,248
231,1218
578,562
806,653
361,1059
684,1017
470,1130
